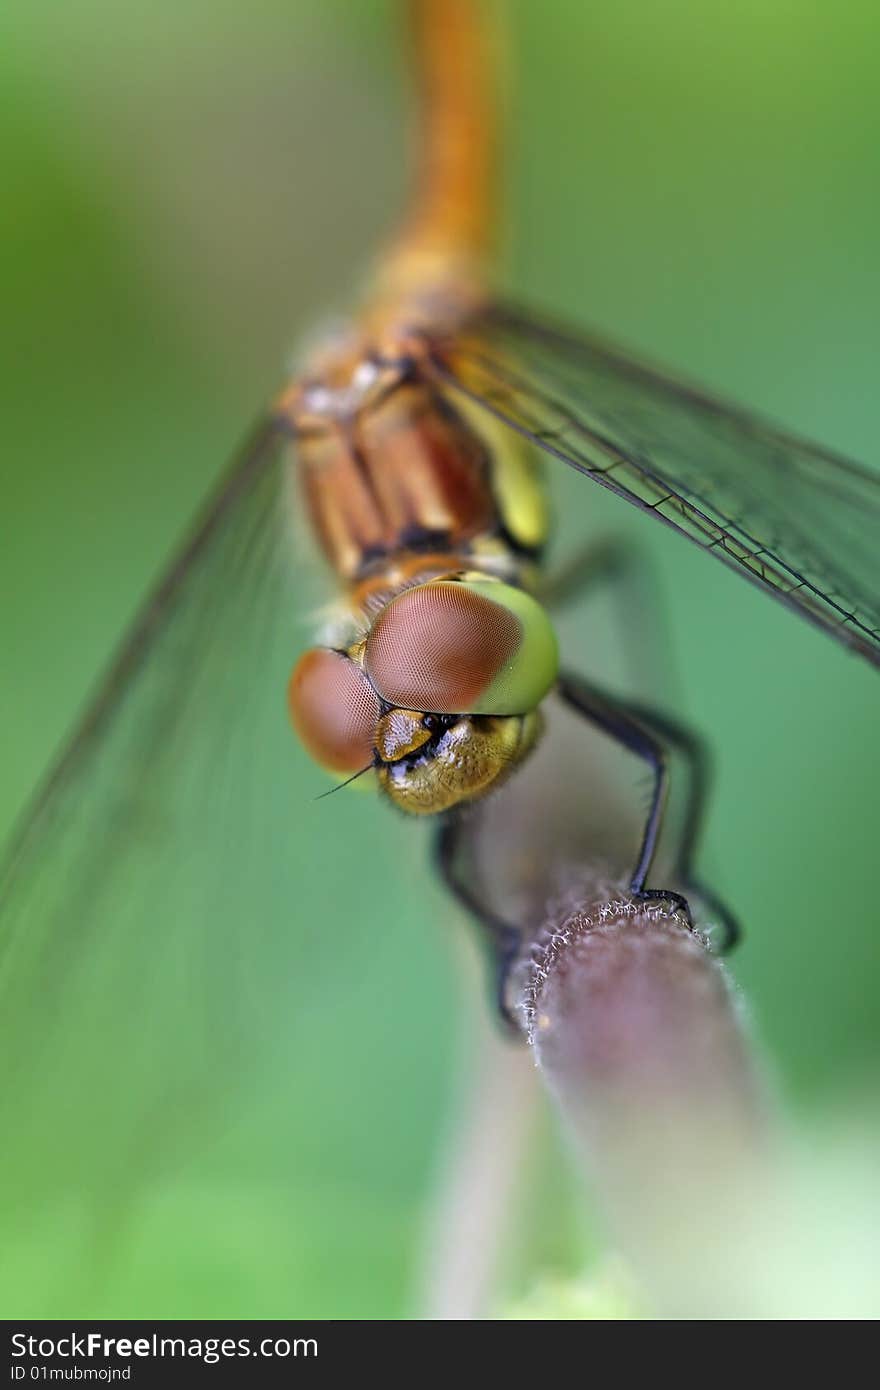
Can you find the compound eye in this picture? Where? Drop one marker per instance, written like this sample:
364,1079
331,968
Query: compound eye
472,646
334,710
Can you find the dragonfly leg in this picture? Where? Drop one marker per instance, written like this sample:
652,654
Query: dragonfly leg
650,735
616,719
614,560
612,563
697,760
605,559
504,939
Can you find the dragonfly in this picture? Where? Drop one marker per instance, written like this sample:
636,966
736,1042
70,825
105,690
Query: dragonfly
411,441
413,447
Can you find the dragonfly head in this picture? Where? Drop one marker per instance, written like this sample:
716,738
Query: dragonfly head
441,696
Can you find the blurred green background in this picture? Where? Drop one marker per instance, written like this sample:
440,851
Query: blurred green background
187,188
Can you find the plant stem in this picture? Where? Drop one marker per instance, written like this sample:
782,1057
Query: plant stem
640,1039
472,1216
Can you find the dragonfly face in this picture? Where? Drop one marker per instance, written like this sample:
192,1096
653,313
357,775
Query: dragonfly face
441,695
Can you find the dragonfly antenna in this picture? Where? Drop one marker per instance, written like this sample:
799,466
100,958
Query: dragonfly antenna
338,788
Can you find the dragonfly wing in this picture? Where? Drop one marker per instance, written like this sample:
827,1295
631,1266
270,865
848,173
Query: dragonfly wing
797,520
204,980
135,924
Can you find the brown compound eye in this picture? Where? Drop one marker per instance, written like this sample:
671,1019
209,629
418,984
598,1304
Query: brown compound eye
334,710
462,647
438,647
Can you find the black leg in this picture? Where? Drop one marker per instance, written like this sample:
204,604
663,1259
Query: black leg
649,735
503,938
616,720
614,563
611,560
698,765
597,563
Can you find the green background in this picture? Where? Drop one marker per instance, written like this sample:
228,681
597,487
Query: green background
186,189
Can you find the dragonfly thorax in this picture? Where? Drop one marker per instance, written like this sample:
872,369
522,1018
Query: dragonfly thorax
390,464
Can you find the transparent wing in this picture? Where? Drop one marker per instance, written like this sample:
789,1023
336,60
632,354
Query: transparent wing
115,907
798,521
171,948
